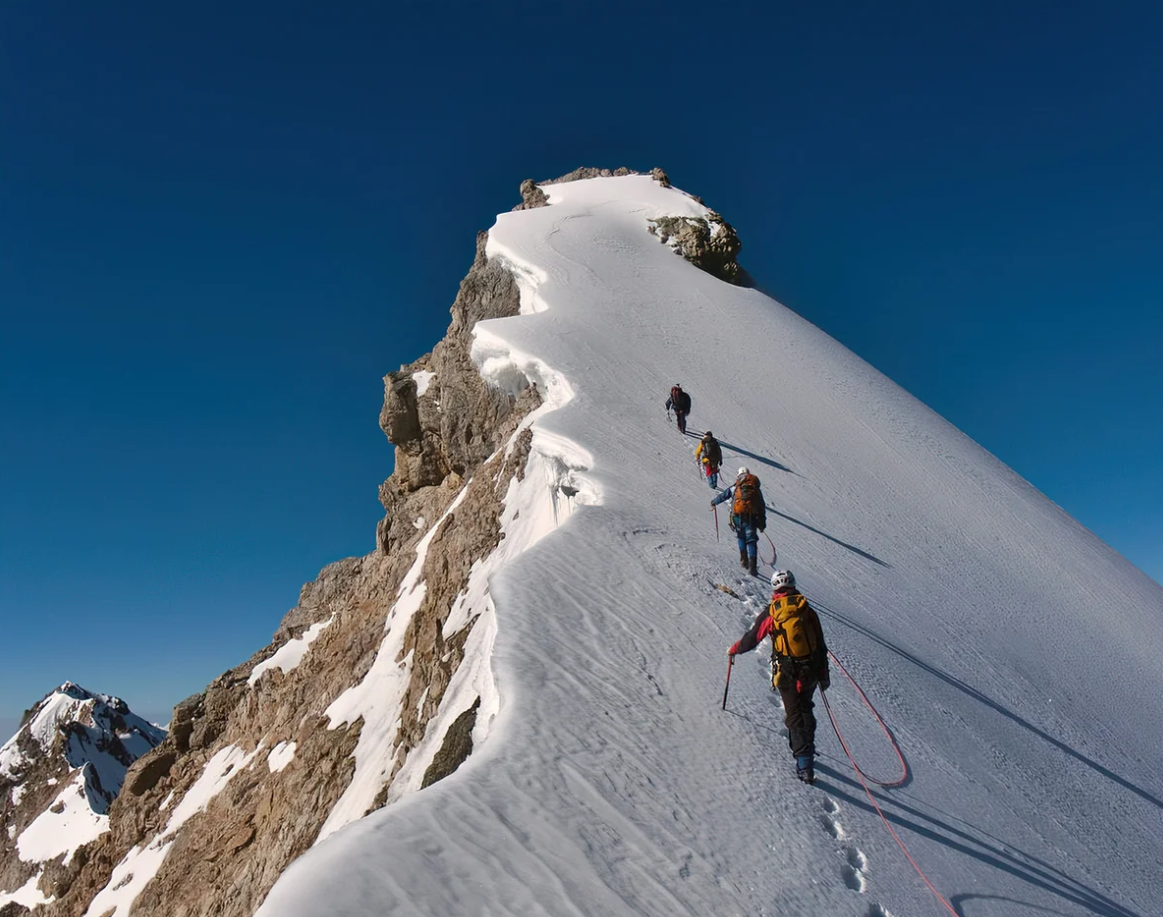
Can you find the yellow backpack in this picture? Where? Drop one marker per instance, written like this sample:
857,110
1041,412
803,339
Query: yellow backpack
795,632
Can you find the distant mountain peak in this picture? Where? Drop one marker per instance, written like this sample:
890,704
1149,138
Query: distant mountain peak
59,774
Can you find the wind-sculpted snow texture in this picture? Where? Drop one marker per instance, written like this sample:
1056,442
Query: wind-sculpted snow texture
1015,656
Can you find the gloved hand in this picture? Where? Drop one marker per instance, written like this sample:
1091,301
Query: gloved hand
762,527
734,648
824,679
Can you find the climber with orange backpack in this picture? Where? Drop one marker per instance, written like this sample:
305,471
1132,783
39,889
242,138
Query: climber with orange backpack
680,401
748,516
799,663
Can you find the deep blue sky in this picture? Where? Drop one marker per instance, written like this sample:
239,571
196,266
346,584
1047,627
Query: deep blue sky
221,224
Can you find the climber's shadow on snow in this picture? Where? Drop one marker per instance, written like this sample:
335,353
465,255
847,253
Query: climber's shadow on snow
843,544
754,456
770,463
992,851
992,705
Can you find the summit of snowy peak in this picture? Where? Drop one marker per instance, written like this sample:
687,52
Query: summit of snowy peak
679,220
532,196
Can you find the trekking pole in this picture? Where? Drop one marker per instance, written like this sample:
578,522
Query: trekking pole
715,510
727,686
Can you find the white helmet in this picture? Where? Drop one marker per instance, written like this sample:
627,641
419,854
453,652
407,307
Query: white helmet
782,580
742,471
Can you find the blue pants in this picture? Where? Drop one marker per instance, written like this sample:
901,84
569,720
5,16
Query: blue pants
711,476
747,534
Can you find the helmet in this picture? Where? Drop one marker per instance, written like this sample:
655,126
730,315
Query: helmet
742,471
782,579
708,435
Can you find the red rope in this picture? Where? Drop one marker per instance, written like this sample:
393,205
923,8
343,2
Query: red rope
895,747
864,780
768,537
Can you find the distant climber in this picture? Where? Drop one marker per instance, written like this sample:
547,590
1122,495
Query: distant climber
709,455
799,662
748,516
680,402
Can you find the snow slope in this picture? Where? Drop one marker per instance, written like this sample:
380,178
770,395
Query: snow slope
1016,658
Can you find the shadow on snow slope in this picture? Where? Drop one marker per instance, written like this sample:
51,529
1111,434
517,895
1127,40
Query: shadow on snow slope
739,450
843,544
981,698
999,854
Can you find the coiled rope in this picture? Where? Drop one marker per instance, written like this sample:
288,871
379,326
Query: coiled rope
865,779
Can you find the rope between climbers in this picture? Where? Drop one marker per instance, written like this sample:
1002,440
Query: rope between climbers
865,779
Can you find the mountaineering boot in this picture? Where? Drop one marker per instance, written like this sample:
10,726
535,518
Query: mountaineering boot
743,557
751,567
804,769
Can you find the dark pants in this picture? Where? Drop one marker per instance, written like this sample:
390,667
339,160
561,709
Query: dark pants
797,689
680,416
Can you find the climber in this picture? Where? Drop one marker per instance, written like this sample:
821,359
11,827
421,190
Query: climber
799,662
680,401
748,516
710,457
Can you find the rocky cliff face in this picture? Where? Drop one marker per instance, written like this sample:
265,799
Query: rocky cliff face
364,694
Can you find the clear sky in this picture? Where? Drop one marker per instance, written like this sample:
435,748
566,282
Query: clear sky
221,224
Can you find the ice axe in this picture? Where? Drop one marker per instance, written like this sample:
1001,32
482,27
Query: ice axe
715,510
727,686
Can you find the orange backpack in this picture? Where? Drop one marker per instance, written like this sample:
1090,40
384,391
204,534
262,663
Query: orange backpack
746,495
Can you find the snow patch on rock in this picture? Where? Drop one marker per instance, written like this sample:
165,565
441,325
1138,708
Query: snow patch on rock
423,378
376,699
29,895
288,656
64,826
281,755
141,864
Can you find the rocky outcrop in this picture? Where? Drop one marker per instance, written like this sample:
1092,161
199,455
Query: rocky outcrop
531,196
709,243
453,425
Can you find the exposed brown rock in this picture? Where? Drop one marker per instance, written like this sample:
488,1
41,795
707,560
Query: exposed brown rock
709,243
531,196
456,748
